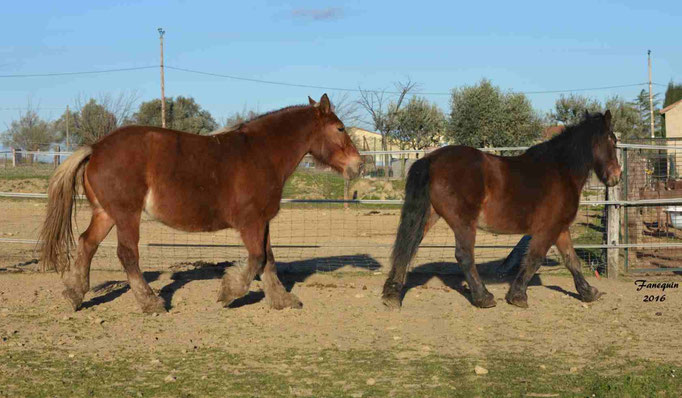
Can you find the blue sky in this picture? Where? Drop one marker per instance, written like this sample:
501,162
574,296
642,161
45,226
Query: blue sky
522,46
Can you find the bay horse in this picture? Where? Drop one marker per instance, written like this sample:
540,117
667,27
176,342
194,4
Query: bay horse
536,193
191,183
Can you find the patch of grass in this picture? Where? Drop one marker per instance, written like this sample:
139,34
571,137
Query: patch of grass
37,170
214,372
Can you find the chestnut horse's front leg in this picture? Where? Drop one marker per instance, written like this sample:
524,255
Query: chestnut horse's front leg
275,293
237,279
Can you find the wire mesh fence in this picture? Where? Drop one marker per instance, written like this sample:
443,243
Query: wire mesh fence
317,229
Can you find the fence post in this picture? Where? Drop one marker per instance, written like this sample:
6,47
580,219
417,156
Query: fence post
613,228
346,188
14,157
56,157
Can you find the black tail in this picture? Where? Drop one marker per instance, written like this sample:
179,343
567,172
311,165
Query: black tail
413,218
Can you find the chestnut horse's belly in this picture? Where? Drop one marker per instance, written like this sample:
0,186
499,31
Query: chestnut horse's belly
182,213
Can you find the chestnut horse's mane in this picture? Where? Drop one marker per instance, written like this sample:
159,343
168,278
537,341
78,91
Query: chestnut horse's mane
572,147
239,126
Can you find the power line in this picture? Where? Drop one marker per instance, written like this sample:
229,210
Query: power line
380,91
90,72
300,85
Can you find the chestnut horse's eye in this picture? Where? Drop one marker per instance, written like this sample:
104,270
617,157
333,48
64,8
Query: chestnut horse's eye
342,129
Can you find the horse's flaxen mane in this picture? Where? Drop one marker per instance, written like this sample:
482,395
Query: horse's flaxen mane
239,126
573,146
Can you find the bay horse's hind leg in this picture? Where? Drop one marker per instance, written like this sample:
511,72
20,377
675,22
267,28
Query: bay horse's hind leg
539,245
565,245
77,278
464,253
128,230
275,294
237,279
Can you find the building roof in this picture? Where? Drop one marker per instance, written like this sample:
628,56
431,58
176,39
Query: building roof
551,131
671,106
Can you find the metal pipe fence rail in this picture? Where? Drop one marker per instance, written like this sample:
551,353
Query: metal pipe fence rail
317,228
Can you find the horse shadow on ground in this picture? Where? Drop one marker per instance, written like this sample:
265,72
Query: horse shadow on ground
490,272
290,273
294,272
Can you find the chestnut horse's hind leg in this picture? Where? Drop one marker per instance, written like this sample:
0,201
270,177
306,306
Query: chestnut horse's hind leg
464,253
539,245
77,278
275,293
128,231
565,245
237,279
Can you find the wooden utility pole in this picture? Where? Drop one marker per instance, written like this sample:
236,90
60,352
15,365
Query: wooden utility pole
651,99
68,145
163,94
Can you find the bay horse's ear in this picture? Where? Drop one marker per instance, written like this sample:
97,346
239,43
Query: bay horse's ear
607,118
311,101
325,106
587,114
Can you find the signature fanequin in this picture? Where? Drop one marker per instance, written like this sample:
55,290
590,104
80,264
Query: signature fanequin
643,284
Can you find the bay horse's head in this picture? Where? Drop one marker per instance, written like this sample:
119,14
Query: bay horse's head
606,164
331,144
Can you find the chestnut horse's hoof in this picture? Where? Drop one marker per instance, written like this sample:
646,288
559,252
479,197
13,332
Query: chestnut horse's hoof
518,299
487,301
592,295
153,305
287,300
75,299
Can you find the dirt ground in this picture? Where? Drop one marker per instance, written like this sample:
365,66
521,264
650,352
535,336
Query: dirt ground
342,314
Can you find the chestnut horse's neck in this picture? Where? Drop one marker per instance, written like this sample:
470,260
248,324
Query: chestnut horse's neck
284,136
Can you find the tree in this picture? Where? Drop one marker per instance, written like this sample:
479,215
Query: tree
571,109
484,116
626,118
641,103
29,132
672,94
419,124
383,111
182,113
238,118
93,119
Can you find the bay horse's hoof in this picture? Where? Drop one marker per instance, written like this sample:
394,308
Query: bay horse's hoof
592,295
287,300
154,305
487,301
75,299
518,299
391,301
392,295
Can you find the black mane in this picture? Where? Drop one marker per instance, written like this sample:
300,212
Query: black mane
573,146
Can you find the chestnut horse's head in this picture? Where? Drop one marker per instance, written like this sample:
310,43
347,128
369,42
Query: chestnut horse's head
330,143
606,164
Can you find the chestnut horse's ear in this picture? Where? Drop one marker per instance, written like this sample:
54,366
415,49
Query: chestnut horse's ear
325,106
607,118
311,101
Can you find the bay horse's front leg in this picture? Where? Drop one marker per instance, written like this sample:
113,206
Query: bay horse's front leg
539,245
275,294
565,245
237,279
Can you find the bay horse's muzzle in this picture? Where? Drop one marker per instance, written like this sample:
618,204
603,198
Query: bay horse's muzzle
614,177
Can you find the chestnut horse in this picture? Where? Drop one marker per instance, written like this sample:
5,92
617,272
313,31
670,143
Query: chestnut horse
536,193
191,183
